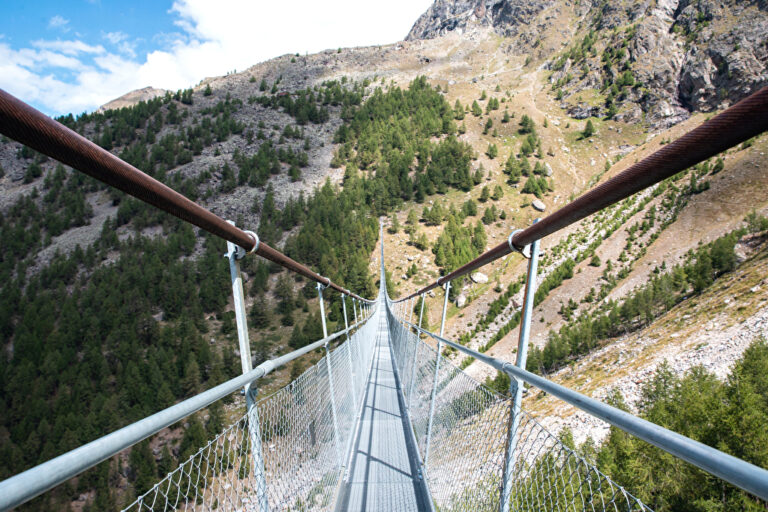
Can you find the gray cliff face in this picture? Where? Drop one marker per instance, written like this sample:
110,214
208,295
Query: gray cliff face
504,16
685,55
723,66
442,17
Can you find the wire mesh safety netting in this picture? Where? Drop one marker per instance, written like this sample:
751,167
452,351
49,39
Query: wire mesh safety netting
303,456
468,443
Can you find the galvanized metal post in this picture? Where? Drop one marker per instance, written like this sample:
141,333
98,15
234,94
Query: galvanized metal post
322,308
234,253
330,376
415,351
349,352
410,315
421,310
354,308
437,371
516,386
344,308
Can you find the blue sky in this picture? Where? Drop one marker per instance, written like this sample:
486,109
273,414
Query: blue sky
76,55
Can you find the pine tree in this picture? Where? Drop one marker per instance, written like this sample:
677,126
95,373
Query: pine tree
297,339
144,468
488,126
458,110
313,328
469,208
261,315
394,225
191,381
589,130
526,149
489,215
719,166
527,125
479,239
167,463
194,437
215,419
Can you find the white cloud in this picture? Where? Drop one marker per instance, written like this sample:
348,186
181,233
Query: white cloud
122,42
67,47
114,37
213,38
59,22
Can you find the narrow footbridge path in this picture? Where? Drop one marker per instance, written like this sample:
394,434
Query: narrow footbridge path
384,473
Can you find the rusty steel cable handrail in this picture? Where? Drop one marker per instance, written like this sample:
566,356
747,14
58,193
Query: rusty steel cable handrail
735,125
32,128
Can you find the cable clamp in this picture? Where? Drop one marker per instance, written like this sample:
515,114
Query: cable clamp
256,240
525,251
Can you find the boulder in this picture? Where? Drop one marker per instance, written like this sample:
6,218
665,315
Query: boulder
583,111
749,245
461,300
17,175
479,277
538,205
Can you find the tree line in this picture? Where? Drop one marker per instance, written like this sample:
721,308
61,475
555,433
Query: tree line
664,290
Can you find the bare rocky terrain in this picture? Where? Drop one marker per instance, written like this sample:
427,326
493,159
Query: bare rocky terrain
688,56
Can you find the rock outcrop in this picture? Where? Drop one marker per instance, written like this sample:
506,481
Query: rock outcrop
506,17
682,56
132,98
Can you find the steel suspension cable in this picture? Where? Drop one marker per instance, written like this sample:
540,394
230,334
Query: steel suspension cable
32,128
735,125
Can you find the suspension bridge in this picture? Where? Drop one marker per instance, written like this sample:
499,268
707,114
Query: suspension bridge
382,420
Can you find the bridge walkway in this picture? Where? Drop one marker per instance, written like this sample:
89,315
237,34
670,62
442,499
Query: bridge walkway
384,471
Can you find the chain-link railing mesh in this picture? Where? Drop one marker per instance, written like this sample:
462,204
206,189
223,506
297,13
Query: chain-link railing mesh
467,447
303,457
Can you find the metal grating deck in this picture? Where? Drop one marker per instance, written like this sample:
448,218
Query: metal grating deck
384,470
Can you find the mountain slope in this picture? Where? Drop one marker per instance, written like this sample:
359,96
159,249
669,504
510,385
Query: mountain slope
653,61
458,170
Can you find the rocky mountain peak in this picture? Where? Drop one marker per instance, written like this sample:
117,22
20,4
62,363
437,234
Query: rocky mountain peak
132,98
654,60
505,16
